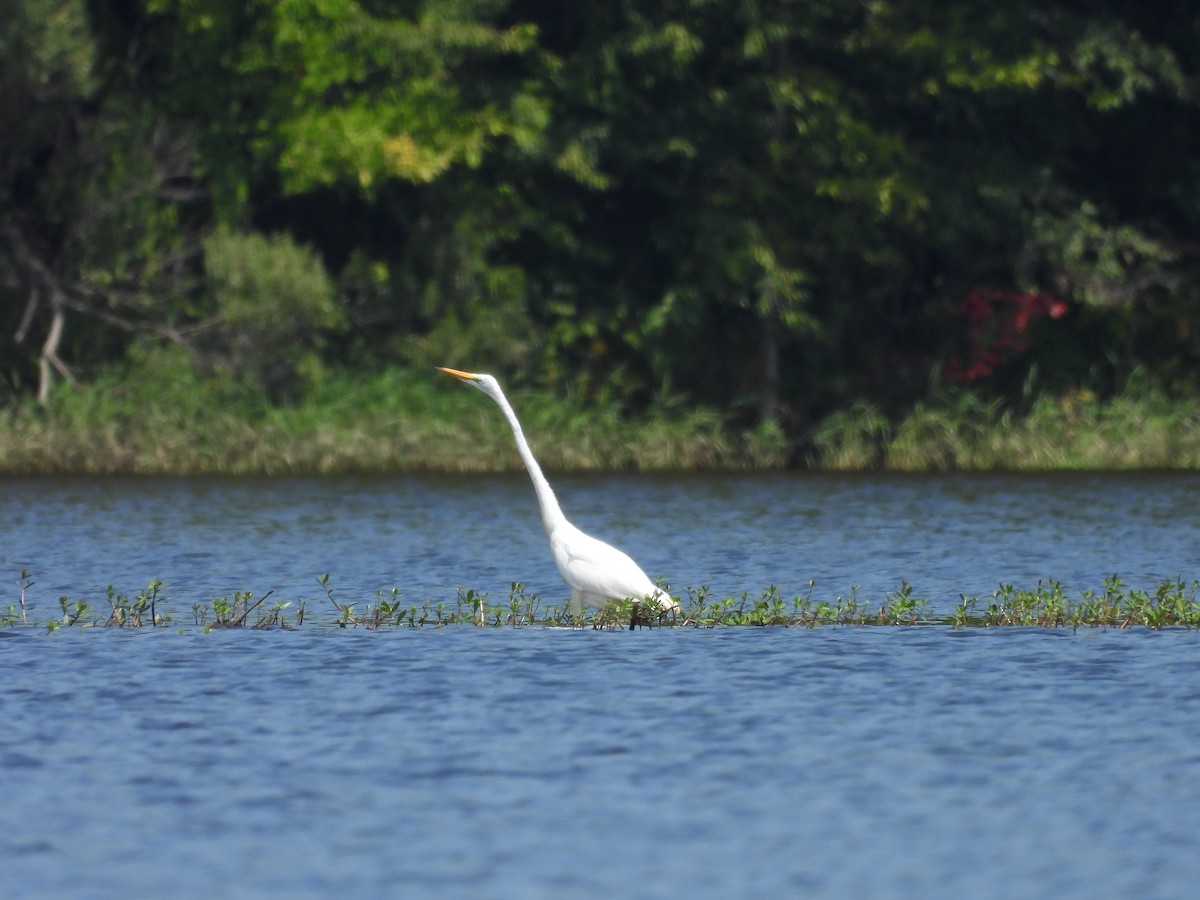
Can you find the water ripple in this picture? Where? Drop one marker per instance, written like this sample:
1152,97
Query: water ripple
551,762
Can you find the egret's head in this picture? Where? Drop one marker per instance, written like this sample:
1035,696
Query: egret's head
485,383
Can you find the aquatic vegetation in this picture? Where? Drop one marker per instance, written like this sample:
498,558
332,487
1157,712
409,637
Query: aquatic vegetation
235,613
25,583
127,613
1170,604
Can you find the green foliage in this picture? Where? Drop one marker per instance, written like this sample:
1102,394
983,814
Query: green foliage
769,209
160,415
1171,604
1098,264
275,303
852,439
224,612
141,610
341,92
94,191
476,308
1143,426
379,99
46,45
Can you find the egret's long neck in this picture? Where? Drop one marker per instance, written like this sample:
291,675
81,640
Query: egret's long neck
552,514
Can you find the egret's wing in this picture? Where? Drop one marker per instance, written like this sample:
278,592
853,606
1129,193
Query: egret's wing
596,569
580,599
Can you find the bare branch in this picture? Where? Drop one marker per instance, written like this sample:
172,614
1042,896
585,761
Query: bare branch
31,309
49,357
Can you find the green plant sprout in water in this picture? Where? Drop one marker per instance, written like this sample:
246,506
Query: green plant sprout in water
127,613
1171,604
235,613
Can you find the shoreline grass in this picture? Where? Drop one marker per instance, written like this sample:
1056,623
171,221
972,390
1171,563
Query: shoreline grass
1170,604
1142,427
395,422
161,418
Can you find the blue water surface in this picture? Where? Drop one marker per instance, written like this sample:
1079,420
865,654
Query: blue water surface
539,762
426,536
557,763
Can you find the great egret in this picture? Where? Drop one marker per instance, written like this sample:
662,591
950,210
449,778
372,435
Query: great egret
594,571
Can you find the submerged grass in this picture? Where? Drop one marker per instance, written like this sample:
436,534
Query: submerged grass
1171,604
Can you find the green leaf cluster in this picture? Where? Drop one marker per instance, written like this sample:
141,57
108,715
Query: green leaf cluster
770,209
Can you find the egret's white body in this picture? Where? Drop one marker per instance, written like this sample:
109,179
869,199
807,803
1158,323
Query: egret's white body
594,571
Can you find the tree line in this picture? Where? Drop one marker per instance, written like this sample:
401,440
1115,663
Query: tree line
773,208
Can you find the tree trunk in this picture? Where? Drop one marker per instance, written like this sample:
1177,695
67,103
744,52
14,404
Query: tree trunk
39,276
49,356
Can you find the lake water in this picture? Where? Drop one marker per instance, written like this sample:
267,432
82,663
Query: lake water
557,763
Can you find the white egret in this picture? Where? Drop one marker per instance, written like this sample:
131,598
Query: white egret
594,571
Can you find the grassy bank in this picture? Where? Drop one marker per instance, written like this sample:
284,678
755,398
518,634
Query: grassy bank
1142,427
174,423
162,419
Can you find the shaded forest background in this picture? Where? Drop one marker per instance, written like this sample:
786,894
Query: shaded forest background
774,210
